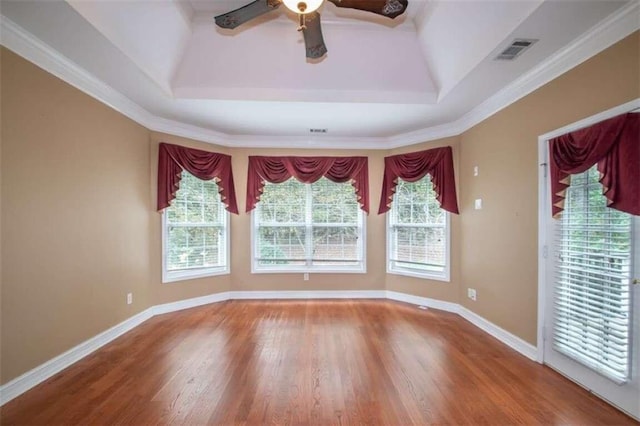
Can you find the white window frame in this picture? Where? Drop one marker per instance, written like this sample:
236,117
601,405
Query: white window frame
410,272
189,274
361,268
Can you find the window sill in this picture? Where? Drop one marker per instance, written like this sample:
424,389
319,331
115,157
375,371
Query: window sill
444,277
192,275
308,271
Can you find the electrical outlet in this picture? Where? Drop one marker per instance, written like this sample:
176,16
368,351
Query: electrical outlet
471,293
475,170
129,298
306,276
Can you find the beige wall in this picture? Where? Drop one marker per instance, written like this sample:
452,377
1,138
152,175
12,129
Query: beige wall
79,228
499,243
75,216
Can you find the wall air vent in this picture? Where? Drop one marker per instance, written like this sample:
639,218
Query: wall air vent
515,49
318,130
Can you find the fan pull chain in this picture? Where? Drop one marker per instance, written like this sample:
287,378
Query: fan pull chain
302,25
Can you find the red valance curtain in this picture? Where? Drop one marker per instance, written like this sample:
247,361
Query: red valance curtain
613,144
307,170
173,159
437,162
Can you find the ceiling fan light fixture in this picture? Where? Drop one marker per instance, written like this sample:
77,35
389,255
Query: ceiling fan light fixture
303,7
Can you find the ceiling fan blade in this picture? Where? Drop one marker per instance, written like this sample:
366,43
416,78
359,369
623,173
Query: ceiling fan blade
388,8
313,40
246,13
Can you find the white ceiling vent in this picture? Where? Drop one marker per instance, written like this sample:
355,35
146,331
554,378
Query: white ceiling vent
516,48
318,130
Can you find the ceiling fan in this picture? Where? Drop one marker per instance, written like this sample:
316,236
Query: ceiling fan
309,17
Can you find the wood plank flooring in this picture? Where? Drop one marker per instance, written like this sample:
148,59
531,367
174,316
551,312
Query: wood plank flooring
308,362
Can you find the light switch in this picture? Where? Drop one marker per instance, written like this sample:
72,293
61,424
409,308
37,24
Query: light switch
478,204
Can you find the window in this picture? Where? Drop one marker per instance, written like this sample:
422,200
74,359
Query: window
592,300
316,227
194,238
418,232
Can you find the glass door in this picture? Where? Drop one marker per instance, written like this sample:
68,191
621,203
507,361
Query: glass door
591,326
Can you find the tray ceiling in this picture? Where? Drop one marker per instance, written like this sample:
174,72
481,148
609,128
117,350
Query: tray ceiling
383,83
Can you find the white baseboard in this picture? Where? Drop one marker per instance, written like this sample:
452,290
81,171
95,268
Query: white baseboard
31,378
514,342
318,294
190,303
28,380
423,301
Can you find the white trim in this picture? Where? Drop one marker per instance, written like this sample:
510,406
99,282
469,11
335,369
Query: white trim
544,210
604,34
191,303
311,294
20,41
511,340
41,373
596,118
175,277
514,342
32,378
423,301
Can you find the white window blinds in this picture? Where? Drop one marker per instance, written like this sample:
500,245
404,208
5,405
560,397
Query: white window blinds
417,231
308,227
593,270
195,230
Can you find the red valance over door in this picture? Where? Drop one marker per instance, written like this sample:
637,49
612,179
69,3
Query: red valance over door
614,145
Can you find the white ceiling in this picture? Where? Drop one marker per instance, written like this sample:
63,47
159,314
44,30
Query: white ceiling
382,84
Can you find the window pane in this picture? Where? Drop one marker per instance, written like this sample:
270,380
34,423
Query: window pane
281,245
192,247
424,248
415,202
308,225
333,202
195,233
417,229
592,310
282,202
335,245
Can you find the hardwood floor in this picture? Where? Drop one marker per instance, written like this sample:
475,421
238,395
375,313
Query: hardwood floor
308,362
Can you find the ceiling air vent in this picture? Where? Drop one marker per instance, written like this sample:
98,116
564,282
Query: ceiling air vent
318,130
515,49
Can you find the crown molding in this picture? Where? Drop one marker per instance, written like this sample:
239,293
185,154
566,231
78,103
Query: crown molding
604,34
23,43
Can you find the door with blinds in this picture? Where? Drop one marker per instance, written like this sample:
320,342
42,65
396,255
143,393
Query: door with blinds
592,308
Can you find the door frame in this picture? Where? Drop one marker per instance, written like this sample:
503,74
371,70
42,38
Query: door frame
544,208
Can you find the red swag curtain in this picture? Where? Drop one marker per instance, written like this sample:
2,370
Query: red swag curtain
307,170
614,145
173,159
437,162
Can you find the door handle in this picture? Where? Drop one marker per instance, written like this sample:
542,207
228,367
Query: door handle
636,281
